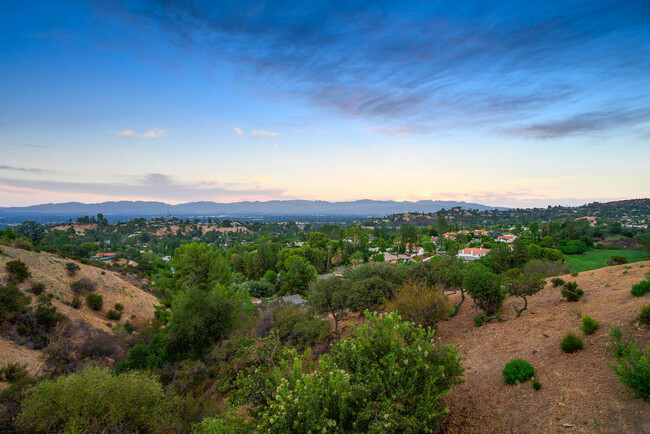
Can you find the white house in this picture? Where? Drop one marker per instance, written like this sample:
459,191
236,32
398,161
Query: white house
506,238
472,253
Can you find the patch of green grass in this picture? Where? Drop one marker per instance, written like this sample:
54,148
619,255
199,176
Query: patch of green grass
596,258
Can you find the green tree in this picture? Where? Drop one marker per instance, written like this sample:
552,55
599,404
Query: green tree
298,276
370,293
500,258
331,296
197,265
199,319
32,230
484,287
522,285
318,240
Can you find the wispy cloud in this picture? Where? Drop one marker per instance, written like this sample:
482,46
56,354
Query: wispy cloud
262,134
423,64
583,123
23,169
153,186
151,134
239,131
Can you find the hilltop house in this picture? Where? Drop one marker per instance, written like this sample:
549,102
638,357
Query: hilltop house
506,238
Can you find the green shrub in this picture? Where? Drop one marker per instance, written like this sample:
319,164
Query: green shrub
571,343
23,244
37,288
556,281
96,401
517,371
113,315
76,302
71,268
119,307
12,303
271,277
17,271
47,316
571,291
420,303
644,315
261,289
632,366
617,260
479,319
299,327
537,385
95,301
640,289
589,325
390,376
83,286
575,274
12,372
128,327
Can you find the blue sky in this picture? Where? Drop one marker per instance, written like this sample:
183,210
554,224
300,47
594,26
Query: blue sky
503,103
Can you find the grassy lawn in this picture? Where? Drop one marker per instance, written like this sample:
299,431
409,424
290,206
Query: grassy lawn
595,259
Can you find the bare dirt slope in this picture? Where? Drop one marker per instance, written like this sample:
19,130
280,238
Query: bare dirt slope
580,393
50,270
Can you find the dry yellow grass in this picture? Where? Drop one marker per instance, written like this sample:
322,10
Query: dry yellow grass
173,229
50,270
579,393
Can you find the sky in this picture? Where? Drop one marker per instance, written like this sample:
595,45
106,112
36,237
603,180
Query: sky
504,103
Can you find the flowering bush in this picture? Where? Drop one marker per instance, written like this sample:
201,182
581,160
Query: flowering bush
390,376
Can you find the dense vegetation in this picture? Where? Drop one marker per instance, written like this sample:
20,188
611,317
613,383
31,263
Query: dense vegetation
227,353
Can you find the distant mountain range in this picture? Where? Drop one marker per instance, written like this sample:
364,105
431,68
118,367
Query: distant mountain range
270,208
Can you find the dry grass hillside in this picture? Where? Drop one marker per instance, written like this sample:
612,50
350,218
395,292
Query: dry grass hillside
173,229
50,270
579,392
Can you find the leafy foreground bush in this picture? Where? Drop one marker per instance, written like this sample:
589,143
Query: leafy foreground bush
420,303
571,343
589,325
389,376
517,371
571,291
96,401
640,289
632,366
